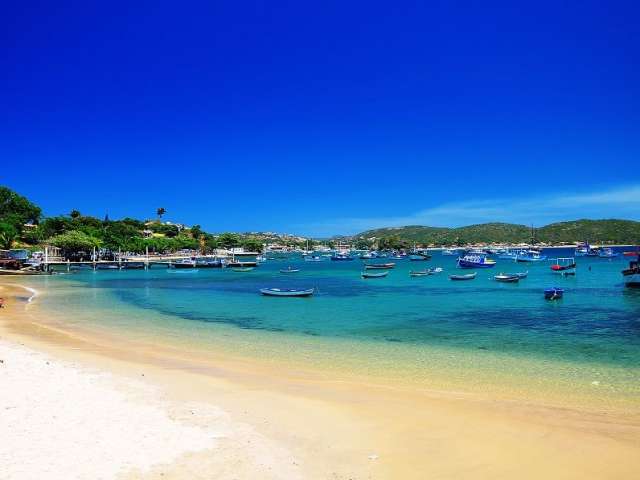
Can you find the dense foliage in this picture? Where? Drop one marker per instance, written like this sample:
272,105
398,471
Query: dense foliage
594,231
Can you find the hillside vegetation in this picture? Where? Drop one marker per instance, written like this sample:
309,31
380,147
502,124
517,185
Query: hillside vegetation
610,231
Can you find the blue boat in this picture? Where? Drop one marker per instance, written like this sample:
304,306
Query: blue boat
530,256
475,261
341,258
607,253
553,293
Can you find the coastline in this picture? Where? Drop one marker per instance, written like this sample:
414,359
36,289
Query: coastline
346,429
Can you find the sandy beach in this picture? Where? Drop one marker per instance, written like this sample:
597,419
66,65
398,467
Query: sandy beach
78,406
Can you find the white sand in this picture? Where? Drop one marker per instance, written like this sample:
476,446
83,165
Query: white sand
61,421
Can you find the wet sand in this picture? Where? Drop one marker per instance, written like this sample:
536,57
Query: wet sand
292,422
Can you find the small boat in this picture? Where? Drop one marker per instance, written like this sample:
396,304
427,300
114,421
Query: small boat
564,266
631,275
475,261
585,250
243,269
468,276
289,270
607,253
553,293
449,252
132,266
342,258
374,275
522,274
435,270
506,278
186,263
236,263
419,273
379,266
419,256
530,256
282,292
313,258
107,266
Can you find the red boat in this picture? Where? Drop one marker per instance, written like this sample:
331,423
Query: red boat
560,268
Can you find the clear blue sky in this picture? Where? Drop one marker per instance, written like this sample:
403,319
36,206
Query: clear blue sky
323,117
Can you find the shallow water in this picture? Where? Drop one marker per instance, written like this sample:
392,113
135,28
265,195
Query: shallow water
427,330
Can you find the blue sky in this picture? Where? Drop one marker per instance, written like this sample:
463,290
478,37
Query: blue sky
326,117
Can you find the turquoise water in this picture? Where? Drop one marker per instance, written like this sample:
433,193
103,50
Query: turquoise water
595,326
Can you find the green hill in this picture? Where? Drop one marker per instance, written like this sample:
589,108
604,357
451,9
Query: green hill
595,231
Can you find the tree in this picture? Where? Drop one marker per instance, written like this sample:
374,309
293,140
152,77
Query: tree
8,233
74,214
16,209
160,211
252,245
229,240
196,231
74,241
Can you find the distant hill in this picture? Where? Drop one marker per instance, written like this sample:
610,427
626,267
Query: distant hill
594,231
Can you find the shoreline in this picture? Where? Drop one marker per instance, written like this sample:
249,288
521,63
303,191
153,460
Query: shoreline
366,431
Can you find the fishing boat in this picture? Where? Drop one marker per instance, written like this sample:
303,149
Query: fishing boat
506,278
585,250
419,273
530,256
132,266
374,275
341,257
379,266
631,275
186,263
475,261
419,256
468,276
607,253
209,263
450,252
553,293
510,254
289,270
242,269
106,266
281,292
368,255
564,266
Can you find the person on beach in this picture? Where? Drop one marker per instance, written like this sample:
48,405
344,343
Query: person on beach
1,302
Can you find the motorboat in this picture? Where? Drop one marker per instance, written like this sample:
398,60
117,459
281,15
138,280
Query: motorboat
475,261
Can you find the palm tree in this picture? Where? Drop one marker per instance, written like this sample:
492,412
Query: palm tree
161,211
74,213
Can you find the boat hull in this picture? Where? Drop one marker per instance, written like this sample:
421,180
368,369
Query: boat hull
276,292
468,264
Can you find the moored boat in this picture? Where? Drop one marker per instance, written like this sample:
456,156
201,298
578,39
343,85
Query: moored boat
506,278
476,261
468,276
374,275
289,270
186,263
419,273
530,256
282,292
242,269
607,253
313,258
379,266
341,258
564,265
